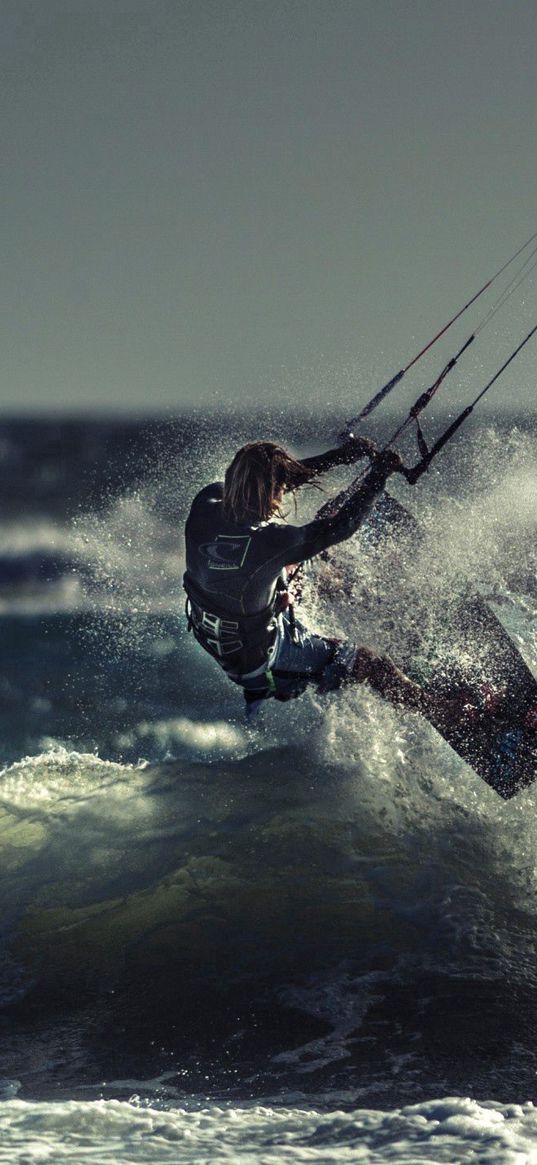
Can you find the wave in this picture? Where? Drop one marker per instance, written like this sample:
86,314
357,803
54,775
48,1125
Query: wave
282,906
127,558
327,899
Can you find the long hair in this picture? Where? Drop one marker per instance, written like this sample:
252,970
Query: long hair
256,479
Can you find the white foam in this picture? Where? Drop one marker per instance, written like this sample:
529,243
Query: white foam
118,1133
59,774
31,535
179,733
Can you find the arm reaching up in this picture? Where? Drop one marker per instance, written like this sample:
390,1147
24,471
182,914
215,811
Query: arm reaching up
353,450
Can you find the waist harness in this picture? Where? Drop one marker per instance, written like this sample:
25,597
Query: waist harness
240,643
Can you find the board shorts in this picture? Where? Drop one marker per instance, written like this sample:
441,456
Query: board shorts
297,659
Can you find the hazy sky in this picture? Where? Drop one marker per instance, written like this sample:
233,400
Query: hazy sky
211,200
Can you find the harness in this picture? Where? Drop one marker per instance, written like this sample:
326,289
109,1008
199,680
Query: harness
241,643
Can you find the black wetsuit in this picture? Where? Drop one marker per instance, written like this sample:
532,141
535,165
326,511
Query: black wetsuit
234,572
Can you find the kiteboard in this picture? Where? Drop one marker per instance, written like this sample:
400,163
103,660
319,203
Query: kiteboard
492,723
466,656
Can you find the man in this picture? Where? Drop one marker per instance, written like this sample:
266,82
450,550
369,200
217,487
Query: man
236,579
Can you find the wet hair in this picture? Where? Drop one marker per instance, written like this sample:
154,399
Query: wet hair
256,479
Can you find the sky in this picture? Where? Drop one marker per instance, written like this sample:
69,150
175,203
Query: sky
212,202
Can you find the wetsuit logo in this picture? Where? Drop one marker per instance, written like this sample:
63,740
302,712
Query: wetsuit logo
226,552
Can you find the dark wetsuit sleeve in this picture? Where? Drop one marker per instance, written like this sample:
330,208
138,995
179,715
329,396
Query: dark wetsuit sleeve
346,454
298,543
209,494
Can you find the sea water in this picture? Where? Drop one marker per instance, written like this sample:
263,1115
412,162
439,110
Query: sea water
308,937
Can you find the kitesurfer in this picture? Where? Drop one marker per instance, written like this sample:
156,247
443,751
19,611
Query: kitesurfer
237,551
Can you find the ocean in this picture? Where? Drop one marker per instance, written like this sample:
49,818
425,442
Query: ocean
308,937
